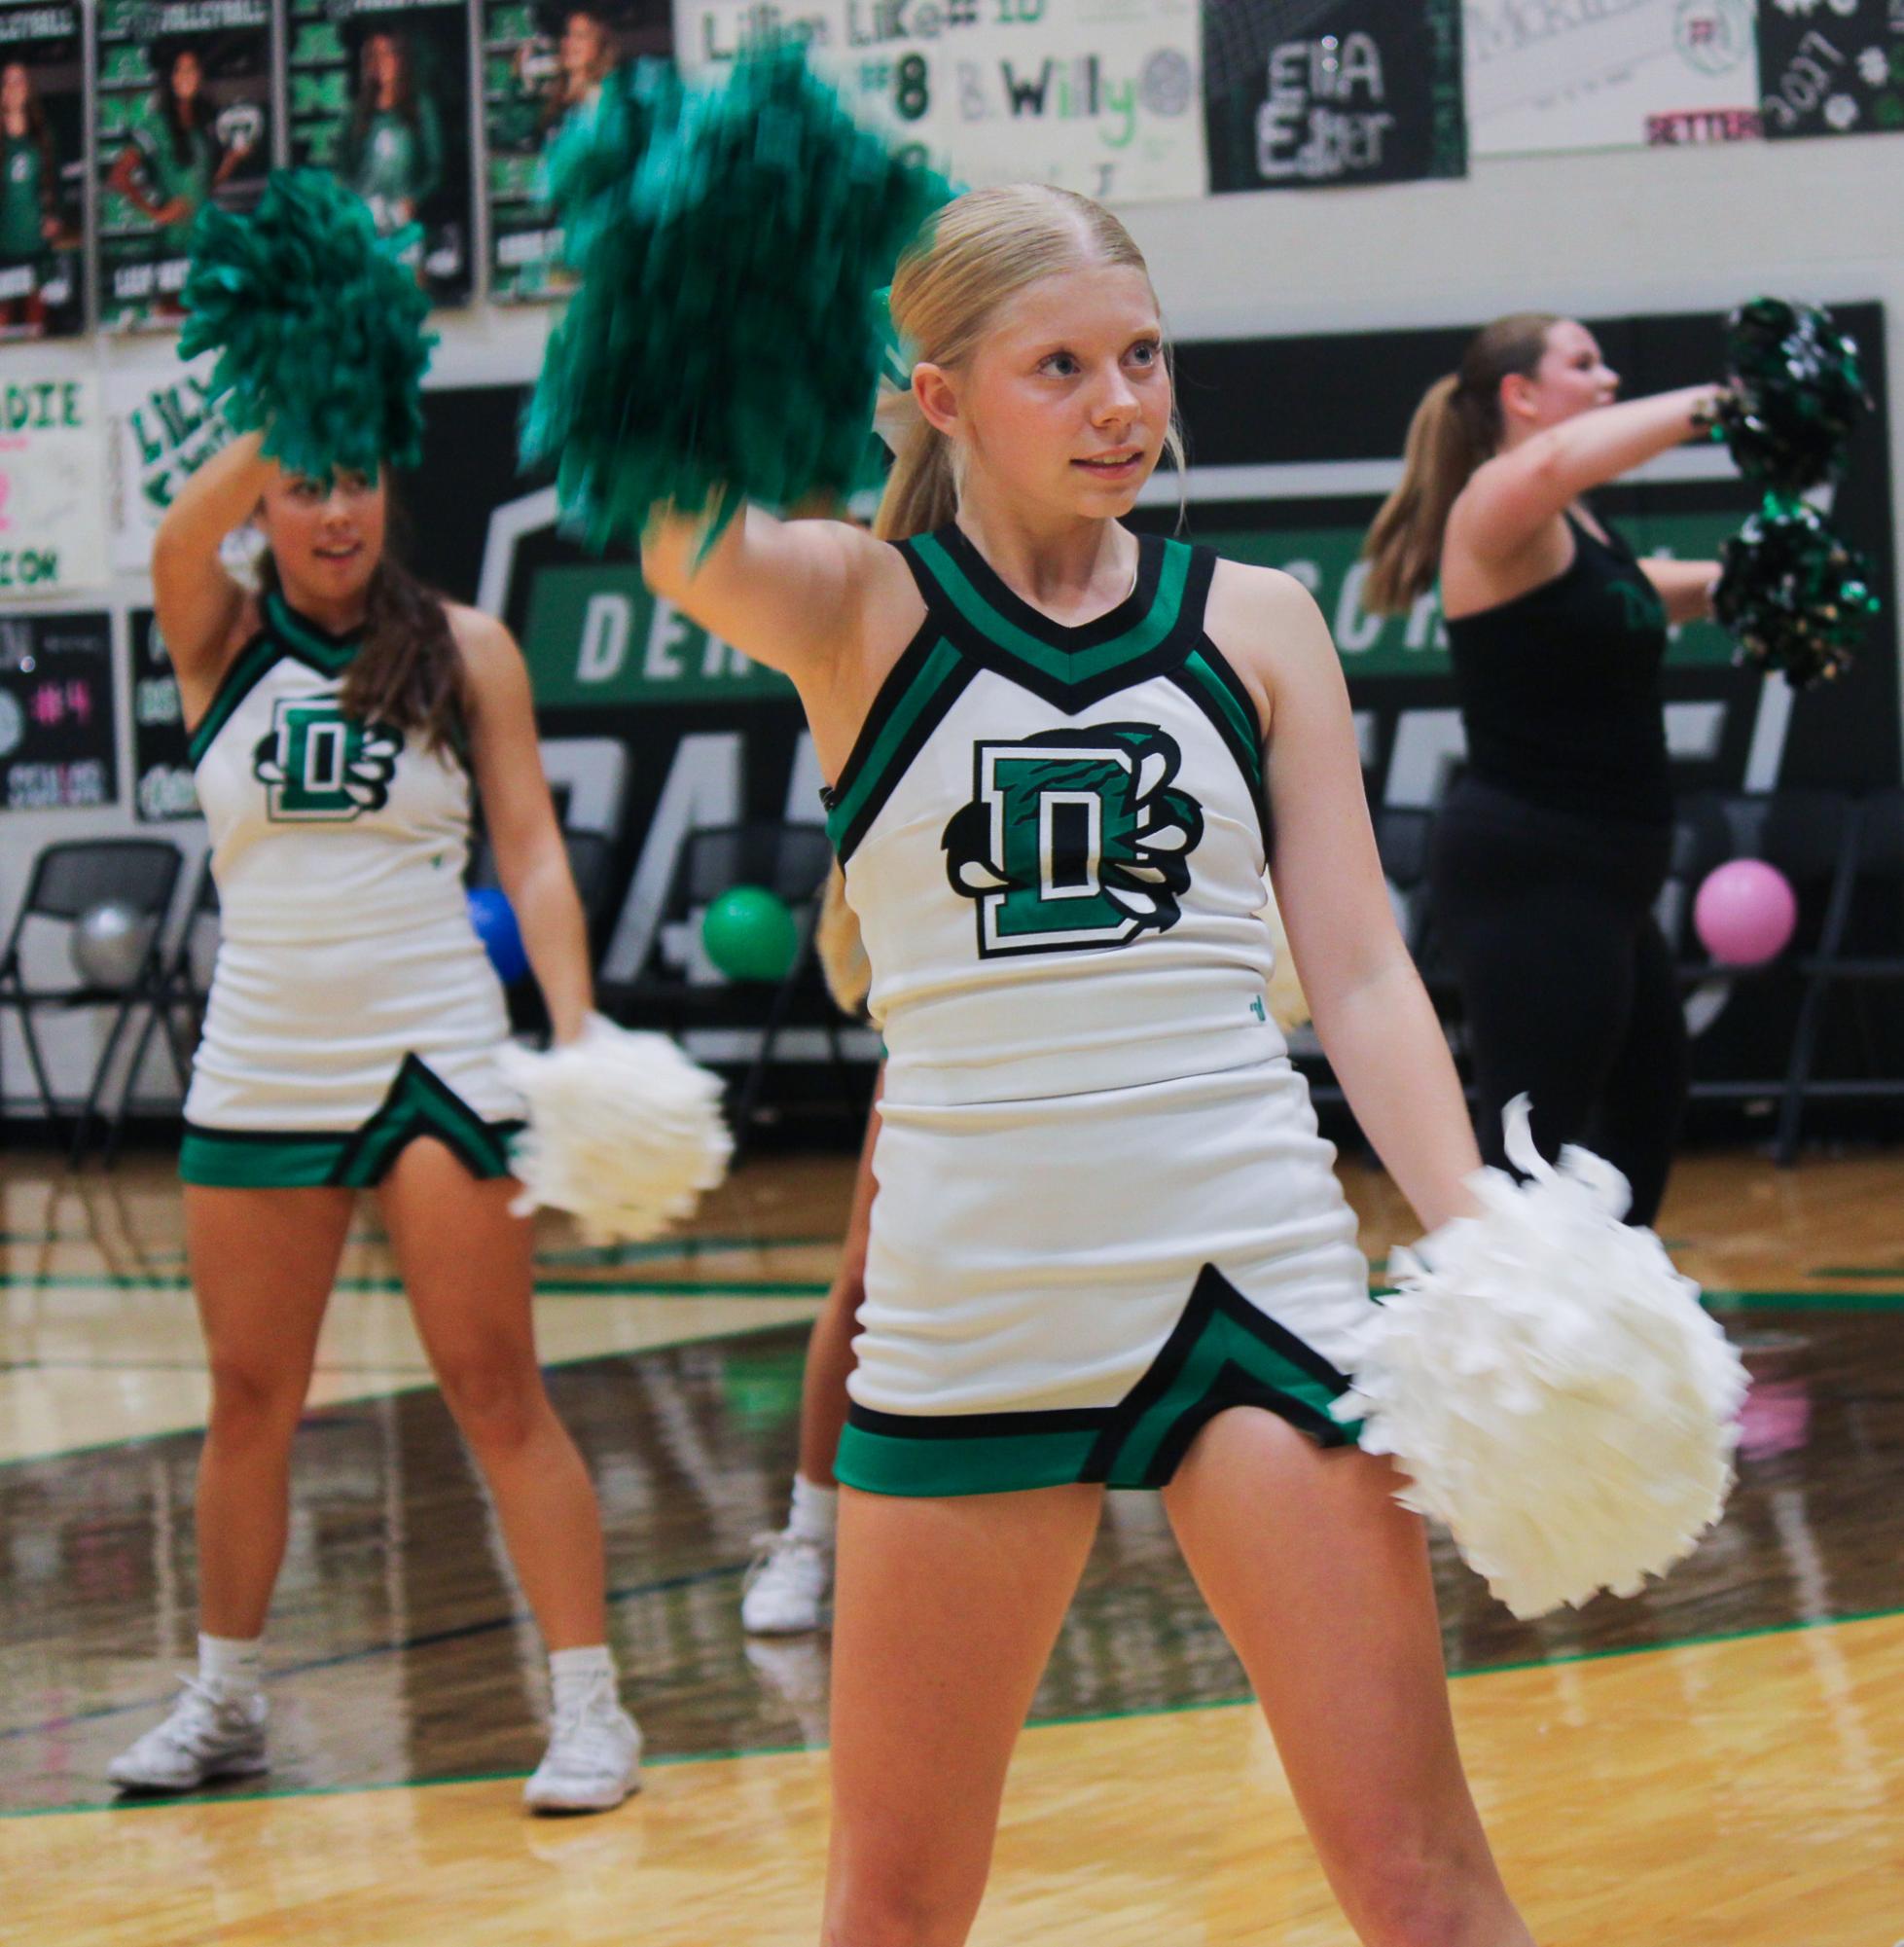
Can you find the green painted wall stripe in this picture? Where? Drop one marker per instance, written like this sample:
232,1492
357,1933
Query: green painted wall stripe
1075,666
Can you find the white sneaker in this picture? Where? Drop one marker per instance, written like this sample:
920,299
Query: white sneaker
208,1735
787,1585
594,1759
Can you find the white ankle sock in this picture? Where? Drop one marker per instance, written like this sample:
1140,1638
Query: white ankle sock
816,1511
572,1673
234,1664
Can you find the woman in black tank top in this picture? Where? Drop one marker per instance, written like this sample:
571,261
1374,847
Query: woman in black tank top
1552,848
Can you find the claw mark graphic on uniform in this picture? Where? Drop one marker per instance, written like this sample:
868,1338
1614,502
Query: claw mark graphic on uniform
319,764
1074,839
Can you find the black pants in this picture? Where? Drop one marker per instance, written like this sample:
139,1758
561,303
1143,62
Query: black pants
1566,978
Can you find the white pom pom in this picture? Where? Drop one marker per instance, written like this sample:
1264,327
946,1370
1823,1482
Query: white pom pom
1549,1383
625,1131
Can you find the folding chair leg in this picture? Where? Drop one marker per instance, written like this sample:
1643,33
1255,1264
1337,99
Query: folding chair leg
1798,1073
116,1122
102,1070
755,1075
37,1063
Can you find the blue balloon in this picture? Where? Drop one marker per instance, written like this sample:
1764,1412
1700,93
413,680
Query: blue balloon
494,921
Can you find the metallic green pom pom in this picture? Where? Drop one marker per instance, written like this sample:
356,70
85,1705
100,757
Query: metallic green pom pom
1797,392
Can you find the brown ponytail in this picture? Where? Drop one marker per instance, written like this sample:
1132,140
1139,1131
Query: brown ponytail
1457,426
408,672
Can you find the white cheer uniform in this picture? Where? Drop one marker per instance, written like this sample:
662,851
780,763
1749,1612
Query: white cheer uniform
352,1006
1104,1212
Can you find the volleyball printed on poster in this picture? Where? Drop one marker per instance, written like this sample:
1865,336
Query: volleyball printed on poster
1831,67
378,93
541,64
42,170
1315,93
1103,96
184,119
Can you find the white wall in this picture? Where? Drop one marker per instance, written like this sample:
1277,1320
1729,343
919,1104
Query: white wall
1624,230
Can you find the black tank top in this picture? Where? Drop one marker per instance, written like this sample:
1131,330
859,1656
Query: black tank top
1560,688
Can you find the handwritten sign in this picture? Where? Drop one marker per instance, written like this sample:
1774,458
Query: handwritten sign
1101,96
52,489
56,733
1368,92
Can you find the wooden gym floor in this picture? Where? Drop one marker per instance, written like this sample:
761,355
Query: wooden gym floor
1718,1762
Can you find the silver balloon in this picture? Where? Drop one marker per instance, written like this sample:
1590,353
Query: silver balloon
109,944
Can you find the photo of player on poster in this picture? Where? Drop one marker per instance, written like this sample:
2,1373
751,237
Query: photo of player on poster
380,95
42,170
540,64
184,119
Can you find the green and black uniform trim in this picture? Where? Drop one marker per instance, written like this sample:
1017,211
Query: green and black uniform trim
419,1104
974,622
285,635
1223,1352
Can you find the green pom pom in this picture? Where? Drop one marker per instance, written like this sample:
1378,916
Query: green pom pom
726,342
318,325
1797,393
1793,595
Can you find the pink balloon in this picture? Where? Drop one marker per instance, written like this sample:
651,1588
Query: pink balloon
1745,913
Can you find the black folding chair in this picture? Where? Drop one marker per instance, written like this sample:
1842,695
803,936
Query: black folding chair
1810,835
591,854
178,1001
68,880
1865,949
788,861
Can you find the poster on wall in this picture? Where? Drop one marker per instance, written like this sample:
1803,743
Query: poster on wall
1645,73
1101,96
162,790
184,119
52,486
378,92
1836,69
164,429
42,168
1337,92
540,64
56,733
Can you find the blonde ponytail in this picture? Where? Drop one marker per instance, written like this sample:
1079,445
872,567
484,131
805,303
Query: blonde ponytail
1457,426
921,493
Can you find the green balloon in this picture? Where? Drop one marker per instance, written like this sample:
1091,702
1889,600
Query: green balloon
750,934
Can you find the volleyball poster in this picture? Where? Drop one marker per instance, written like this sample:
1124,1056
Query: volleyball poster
379,93
183,116
1336,92
540,64
1103,96
42,170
